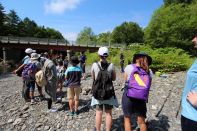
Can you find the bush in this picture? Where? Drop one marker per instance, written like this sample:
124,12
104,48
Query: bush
164,59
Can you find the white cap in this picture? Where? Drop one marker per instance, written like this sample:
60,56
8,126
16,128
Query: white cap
29,51
103,51
34,56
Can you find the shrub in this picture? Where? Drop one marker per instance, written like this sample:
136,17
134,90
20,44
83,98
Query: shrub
164,59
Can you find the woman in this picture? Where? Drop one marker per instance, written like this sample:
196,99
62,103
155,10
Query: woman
130,105
108,104
189,98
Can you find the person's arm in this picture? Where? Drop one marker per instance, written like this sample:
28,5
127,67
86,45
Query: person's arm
192,98
19,68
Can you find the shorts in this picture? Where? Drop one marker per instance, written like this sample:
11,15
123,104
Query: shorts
30,86
73,92
132,106
187,124
103,107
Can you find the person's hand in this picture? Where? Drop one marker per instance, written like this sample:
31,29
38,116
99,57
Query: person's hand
192,98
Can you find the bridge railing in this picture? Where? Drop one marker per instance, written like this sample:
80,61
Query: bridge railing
46,41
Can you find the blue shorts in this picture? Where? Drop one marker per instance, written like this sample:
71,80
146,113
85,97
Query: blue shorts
30,86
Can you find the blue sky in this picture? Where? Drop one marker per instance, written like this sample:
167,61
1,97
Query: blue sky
71,16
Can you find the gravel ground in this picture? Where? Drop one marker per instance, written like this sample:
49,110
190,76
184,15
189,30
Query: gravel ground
16,114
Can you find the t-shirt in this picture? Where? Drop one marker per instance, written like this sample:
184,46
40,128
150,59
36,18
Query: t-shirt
73,75
188,110
26,60
96,69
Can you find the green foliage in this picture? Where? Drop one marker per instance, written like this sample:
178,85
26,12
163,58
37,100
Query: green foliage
86,36
164,59
127,32
173,26
12,25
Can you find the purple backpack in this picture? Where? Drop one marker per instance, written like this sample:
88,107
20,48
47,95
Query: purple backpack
139,84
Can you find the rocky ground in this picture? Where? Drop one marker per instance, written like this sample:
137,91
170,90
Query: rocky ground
16,114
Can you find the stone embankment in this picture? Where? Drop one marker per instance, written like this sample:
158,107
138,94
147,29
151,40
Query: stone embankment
15,114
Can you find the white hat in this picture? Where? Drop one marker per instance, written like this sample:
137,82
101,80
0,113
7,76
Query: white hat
29,51
34,56
103,51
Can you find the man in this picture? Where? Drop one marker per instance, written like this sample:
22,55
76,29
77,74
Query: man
189,98
50,72
25,61
83,64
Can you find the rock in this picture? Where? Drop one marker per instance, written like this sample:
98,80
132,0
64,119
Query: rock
17,121
26,107
10,121
46,127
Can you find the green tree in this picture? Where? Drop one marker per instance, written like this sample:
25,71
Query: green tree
2,20
127,33
172,26
104,38
169,2
12,22
86,36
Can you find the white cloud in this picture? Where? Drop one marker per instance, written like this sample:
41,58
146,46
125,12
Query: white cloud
70,36
60,6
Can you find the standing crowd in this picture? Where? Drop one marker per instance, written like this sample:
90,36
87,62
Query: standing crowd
39,70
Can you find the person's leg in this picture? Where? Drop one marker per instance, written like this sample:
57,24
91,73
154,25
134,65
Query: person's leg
108,119
77,91
39,90
142,123
98,117
49,103
127,123
70,94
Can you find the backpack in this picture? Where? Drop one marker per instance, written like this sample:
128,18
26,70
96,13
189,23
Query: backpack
102,88
40,75
40,78
139,84
60,73
29,71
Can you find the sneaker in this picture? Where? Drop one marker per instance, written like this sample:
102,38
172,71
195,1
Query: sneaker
71,113
53,110
32,101
76,113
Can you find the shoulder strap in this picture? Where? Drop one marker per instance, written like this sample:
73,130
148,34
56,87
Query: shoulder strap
99,66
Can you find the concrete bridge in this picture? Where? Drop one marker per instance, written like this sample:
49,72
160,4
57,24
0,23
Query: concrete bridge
13,47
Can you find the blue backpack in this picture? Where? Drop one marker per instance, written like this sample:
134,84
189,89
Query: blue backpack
139,84
29,72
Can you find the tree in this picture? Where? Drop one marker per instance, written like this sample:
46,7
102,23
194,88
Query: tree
172,26
86,36
169,2
104,38
12,22
2,20
127,33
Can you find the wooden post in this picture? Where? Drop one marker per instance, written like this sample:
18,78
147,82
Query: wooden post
4,60
68,54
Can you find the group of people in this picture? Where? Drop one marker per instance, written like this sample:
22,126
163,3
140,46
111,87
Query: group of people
137,83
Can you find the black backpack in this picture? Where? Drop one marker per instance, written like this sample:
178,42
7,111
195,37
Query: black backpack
102,88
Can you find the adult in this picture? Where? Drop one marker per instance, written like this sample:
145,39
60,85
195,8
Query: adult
122,62
73,76
103,105
25,61
82,60
189,98
133,106
51,77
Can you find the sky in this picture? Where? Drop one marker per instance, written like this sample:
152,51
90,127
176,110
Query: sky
71,16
